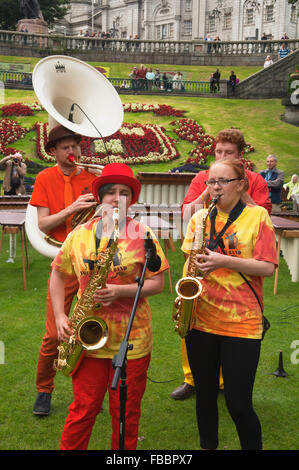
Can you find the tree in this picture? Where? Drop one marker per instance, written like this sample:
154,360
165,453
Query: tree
52,10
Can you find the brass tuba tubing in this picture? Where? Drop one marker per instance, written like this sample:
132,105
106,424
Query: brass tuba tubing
72,159
89,165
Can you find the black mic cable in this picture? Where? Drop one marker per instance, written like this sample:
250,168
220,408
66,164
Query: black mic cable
70,118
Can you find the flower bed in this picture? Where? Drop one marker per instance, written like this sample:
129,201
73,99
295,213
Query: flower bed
159,109
190,130
21,109
132,143
10,132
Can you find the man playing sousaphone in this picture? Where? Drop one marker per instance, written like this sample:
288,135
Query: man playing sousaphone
115,290
59,193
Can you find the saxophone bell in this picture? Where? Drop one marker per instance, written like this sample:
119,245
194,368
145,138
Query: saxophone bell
189,290
92,333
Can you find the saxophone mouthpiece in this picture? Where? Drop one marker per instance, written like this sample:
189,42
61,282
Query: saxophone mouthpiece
216,198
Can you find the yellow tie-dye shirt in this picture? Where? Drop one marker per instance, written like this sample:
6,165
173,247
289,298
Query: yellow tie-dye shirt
227,305
77,255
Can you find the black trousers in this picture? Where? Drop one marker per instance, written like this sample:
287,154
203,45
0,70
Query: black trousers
238,358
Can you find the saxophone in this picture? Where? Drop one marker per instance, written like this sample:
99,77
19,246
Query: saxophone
189,287
89,332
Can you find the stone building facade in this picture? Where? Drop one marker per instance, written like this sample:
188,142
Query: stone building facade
230,20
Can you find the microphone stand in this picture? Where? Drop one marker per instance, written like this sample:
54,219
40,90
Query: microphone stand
120,360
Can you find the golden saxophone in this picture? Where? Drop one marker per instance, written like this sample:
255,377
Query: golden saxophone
89,332
189,287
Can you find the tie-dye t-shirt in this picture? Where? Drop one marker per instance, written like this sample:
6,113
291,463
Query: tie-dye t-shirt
77,256
227,305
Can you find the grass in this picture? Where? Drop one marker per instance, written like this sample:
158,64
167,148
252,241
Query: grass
122,70
165,424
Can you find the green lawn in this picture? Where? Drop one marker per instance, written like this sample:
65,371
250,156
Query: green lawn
122,70
165,423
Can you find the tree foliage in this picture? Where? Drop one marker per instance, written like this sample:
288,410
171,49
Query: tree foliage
10,12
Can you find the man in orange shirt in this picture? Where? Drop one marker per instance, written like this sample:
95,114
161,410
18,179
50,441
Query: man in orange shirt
59,193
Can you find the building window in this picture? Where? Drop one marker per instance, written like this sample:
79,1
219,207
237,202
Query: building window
212,24
165,31
227,21
269,13
294,15
188,27
188,5
249,16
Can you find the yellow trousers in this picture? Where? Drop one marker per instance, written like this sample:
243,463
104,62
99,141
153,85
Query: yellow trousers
187,371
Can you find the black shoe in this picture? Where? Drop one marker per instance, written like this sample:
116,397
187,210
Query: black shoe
42,404
183,391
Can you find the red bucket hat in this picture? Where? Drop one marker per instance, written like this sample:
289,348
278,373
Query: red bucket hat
117,173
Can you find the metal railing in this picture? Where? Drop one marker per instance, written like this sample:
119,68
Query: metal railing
122,85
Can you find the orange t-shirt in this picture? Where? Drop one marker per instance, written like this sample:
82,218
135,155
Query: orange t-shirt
227,305
77,255
48,192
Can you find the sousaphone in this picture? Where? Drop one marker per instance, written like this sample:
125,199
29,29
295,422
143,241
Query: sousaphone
80,98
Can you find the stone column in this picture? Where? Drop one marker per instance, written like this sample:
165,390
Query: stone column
196,9
201,28
237,21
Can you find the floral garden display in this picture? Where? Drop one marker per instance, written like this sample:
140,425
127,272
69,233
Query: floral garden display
10,132
133,143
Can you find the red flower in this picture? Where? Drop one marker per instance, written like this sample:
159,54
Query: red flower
16,109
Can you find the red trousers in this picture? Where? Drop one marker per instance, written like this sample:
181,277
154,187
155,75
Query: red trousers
48,351
90,384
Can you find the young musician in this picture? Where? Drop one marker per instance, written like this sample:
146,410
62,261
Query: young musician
59,192
230,143
227,326
116,187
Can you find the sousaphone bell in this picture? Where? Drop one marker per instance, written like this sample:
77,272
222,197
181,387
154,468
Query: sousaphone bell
80,98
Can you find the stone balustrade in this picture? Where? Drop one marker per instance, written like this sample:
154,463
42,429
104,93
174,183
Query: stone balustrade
150,51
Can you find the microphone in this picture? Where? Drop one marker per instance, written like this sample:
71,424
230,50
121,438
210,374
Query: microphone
154,260
70,118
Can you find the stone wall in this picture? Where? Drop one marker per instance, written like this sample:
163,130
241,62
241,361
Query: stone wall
270,82
224,53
